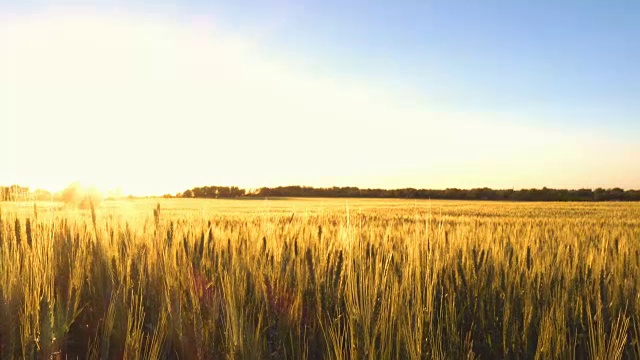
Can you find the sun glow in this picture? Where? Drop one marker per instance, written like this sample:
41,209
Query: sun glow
154,105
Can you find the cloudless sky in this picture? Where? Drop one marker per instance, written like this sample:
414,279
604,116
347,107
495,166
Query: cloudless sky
576,57
161,96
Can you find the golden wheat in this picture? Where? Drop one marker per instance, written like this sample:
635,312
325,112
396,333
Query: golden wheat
317,279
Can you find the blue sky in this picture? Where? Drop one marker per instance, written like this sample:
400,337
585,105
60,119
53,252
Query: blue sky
563,74
567,61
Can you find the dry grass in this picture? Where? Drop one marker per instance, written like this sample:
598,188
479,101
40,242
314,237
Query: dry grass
299,279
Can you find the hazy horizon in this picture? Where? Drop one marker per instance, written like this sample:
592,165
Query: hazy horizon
117,193
152,99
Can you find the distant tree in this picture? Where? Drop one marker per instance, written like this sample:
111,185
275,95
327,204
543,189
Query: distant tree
15,193
76,196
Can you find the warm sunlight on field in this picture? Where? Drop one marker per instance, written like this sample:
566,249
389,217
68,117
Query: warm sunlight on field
327,179
320,278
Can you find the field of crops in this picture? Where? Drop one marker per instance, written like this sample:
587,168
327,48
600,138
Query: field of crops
319,278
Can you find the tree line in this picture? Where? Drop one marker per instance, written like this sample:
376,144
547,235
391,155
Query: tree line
20,193
74,195
544,194
214,192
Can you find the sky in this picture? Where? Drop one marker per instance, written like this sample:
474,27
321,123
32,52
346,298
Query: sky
157,97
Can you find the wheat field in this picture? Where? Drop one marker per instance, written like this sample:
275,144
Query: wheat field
320,278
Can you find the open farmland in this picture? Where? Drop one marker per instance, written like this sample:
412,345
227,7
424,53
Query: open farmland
320,278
